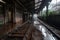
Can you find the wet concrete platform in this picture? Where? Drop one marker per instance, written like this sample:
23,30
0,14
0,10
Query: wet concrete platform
48,32
54,30
27,31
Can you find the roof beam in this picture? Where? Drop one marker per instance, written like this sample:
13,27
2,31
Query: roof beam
30,3
21,4
38,2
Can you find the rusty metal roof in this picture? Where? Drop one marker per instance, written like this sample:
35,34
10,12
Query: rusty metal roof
30,5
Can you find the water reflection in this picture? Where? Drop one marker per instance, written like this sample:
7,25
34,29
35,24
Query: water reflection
47,35
36,22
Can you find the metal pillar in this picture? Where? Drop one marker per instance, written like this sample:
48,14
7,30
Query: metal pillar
11,13
47,9
4,12
41,13
14,13
23,16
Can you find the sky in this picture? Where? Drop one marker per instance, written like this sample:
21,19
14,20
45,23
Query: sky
52,4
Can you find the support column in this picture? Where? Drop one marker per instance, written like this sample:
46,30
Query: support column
4,13
41,12
32,17
23,16
12,14
26,17
47,9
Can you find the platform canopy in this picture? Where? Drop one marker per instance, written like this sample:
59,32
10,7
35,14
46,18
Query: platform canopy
32,6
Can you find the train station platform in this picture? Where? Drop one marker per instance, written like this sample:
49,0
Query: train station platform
36,30
29,20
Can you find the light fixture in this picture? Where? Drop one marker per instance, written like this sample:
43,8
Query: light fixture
39,3
35,4
2,1
36,1
37,7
